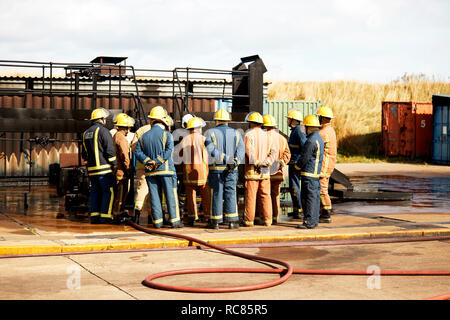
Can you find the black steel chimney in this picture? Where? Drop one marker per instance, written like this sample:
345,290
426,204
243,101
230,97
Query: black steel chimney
248,81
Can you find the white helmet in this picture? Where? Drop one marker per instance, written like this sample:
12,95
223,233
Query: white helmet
185,120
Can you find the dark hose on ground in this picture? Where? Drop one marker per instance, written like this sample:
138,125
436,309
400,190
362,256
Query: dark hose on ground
285,273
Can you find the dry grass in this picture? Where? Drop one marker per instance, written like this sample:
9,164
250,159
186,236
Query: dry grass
357,105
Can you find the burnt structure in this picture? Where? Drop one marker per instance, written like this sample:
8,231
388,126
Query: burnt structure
54,99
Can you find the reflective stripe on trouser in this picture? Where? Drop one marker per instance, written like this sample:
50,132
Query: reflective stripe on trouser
123,187
223,196
101,195
166,185
311,201
258,191
191,200
295,188
324,197
141,192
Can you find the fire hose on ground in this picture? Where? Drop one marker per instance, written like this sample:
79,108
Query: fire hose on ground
285,273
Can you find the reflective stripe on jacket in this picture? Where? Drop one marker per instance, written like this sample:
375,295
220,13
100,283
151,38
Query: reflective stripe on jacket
98,150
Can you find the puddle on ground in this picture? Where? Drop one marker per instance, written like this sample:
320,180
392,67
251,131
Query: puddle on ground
430,195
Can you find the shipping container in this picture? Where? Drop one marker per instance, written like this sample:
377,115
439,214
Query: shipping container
279,109
441,123
407,129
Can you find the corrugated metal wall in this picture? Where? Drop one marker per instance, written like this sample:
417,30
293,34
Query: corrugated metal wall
14,153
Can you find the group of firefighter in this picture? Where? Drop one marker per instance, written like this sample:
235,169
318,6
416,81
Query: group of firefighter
210,163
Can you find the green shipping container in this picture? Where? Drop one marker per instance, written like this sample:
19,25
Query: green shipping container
279,109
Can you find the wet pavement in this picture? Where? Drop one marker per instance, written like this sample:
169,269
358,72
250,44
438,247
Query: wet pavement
430,195
47,224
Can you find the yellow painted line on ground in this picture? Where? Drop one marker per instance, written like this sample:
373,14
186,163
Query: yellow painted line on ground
67,248
29,249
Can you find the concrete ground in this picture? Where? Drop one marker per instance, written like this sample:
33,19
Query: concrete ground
119,275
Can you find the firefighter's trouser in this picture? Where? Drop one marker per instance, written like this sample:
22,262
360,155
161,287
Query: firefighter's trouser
324,197
191,200
311,200
275,187
257,191
122,187
223,196
157,185
295,189
102,195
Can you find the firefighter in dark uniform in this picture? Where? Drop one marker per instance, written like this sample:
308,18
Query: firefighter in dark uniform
296,141
98,151
310,166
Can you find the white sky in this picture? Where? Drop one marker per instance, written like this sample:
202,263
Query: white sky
297,40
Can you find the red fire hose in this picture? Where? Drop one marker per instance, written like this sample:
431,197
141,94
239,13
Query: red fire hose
286,273
148,281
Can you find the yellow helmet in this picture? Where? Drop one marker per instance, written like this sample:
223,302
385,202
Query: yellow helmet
269,121
295,114
121,117
124,120
99,113
222,115
195,122
255,117
325,112
311,121
157,113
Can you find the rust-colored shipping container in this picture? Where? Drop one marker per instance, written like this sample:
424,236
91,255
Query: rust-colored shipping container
407,129
424,129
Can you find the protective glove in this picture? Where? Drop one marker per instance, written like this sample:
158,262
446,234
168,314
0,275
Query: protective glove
265,164
151,165
232,164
